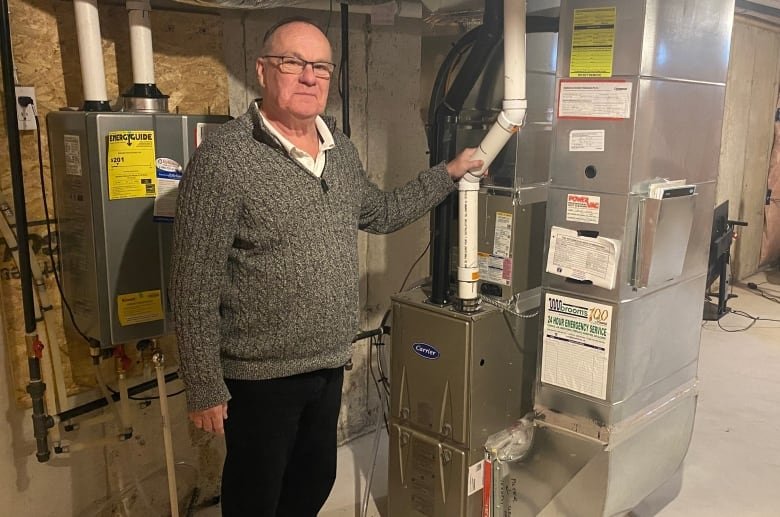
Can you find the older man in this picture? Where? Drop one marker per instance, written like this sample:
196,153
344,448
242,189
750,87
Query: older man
265,276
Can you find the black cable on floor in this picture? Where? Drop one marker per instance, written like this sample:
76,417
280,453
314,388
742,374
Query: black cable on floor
754,320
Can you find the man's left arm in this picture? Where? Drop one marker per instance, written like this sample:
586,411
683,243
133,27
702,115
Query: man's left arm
385,212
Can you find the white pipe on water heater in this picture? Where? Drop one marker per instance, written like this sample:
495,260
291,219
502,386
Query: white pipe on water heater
139,13
510,120
93,75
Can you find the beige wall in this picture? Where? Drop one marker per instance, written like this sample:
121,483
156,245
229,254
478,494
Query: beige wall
748,133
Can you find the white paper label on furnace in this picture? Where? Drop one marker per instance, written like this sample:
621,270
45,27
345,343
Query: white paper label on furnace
575,344
586,140
72,155
595,99
476,477
495,269
502,238
580,257
582,208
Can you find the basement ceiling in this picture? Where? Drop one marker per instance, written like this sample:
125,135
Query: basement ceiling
763,10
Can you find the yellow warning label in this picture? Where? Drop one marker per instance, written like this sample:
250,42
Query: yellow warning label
593,42
131,171
133,308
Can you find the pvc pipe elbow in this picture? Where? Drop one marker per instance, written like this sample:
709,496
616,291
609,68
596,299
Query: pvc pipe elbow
513,114
470,181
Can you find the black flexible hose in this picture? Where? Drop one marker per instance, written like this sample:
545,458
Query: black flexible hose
440,83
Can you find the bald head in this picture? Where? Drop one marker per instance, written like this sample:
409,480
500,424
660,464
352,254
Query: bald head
282,26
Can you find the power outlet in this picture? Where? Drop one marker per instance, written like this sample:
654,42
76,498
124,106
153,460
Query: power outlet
25,114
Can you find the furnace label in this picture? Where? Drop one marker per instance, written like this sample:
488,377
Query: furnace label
586,140
72,155
582,208
584,258
495,269
476,477
593,42
424,473
425,351
575,344
594,100
502,237
142,307
131,168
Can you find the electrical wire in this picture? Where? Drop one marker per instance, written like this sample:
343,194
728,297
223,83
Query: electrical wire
769,294
409,273
48,228
382,401
330,14
377,382
406,279
754,320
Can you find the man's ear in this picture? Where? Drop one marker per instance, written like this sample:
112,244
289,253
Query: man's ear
260,67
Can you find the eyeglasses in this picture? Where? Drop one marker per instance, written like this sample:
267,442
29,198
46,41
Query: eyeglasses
294,65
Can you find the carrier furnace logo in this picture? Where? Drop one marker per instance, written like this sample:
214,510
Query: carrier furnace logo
425,351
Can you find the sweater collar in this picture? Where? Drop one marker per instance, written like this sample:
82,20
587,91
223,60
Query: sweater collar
260,131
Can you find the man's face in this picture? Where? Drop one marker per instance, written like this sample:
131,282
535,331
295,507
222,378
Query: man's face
300,96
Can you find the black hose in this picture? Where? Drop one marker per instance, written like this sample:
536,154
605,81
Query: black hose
440,83
344,69
443,132
36,387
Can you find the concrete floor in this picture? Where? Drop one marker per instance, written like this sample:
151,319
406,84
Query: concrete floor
733,464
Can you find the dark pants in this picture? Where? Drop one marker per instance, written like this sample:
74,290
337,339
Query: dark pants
281,445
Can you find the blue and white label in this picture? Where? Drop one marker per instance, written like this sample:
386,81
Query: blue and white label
425,351
169,174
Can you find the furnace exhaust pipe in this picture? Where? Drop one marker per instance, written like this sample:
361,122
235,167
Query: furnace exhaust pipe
143,96
93,74
510,120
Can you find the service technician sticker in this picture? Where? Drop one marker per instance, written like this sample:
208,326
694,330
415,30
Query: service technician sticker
425,351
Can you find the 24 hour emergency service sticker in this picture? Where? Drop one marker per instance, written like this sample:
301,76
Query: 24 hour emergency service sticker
575,344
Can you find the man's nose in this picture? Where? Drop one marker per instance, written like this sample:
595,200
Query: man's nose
307,75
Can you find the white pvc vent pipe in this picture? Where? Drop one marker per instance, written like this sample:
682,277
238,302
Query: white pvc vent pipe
93,75
139,13
510,120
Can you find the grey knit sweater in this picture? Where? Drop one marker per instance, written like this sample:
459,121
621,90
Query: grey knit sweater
265,263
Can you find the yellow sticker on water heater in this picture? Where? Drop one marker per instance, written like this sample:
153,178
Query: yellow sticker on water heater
593,42
131,170
141,307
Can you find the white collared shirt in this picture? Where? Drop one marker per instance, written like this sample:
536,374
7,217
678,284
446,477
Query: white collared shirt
315,165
